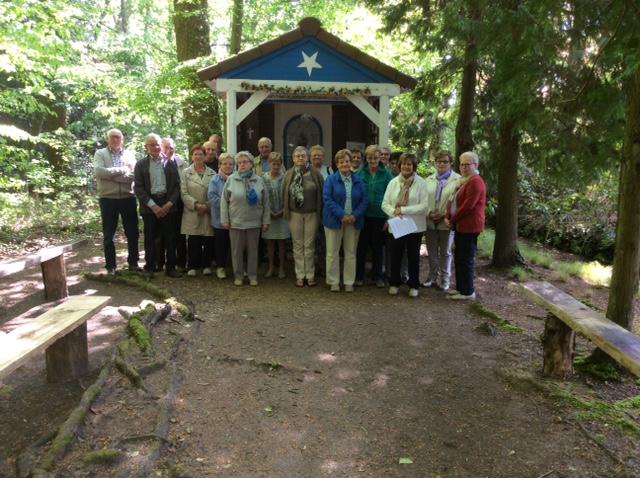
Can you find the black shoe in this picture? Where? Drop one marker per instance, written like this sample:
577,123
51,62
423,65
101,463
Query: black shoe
134,268
173,273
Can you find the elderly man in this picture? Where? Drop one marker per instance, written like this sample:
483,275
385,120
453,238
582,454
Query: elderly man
157,186
168,146
114,172
262,160
216,142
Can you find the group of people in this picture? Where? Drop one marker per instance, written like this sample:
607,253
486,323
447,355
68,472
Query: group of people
197,215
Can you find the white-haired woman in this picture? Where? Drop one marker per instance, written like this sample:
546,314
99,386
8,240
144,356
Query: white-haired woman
244,211
302,196
221,235
466,218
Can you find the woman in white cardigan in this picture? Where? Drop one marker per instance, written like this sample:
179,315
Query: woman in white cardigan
406,195
440,189
196,218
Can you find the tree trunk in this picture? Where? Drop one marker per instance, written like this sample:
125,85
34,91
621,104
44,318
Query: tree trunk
200,108
53,120
464,135
124,16
626,261
236,27
558,342
505,248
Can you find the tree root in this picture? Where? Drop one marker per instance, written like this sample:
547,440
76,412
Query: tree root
137,281
62,438
69,428
162,427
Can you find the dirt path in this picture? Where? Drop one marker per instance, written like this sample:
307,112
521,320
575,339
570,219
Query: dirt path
285,382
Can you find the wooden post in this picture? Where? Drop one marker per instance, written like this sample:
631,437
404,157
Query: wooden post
54,276
558,342
68,357
232,131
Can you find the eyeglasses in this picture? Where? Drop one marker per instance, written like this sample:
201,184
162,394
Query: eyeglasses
466,164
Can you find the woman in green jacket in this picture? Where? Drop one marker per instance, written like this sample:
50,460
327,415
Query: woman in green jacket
375,176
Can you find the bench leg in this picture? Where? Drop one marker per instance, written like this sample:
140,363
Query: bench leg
558,341
54,276
68,357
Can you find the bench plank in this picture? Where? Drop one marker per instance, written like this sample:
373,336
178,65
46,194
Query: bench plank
32,260
20,344
621,344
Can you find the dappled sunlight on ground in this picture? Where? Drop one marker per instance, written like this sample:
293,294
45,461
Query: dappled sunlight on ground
327,357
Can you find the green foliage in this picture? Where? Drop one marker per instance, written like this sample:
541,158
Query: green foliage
495,318
106,456
535,256
67,215
602,370
520,273
485,243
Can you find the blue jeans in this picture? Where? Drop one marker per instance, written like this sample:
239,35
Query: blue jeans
110,211
466,244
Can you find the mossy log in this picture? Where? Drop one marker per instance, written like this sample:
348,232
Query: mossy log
68,429
136,281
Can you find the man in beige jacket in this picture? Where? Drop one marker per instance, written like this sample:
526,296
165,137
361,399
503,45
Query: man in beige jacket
114,173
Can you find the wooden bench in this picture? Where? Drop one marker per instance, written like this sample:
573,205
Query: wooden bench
567,316
54,271
61,332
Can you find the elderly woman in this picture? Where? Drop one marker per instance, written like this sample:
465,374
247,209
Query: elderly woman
244,211
196,219
375,177
221,235
279,229
317,161
345,203
406,195
302,194
440,187
466,218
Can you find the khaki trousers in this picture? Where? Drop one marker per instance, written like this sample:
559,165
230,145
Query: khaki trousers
241,240
347,237
303,227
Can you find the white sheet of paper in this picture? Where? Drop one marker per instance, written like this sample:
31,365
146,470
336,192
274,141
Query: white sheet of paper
401,226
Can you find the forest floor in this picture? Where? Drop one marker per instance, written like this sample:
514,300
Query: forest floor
278,381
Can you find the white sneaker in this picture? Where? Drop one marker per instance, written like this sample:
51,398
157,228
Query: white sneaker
335,287
463,297
253,282
237,282
221,273
207,271
393,290
348,288
428,283
191,273
413,292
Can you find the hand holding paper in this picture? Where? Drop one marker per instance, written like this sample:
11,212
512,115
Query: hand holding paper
401,226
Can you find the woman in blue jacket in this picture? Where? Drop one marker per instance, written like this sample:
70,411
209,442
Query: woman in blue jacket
345,203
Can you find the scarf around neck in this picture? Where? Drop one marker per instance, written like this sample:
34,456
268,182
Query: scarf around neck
403,197
297,185
250,193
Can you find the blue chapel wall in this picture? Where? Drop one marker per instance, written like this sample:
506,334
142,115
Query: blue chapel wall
283,64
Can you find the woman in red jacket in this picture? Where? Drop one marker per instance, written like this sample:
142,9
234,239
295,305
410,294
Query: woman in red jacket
466,218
